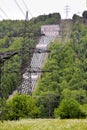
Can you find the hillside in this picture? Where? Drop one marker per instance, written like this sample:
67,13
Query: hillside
62,91
67,61
15,35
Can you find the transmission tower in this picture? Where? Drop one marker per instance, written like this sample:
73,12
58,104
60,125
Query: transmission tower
67,10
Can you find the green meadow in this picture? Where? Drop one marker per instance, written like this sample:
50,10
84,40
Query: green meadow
45,124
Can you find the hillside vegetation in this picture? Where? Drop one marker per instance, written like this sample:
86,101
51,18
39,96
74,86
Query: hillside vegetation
61,92
66,86
18,34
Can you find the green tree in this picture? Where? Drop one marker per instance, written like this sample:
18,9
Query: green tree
78,95
47,101
76,18
68,108
84,109
21,106
84,14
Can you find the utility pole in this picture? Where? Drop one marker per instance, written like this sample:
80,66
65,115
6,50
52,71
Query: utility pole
2,90
3,57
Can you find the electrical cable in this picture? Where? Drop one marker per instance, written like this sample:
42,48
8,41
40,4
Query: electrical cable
19,7
4,12
27,7
1,17
25,4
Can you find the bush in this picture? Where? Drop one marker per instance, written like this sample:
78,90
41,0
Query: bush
21,106
68,108
84,109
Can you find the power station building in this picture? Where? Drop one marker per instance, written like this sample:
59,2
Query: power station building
50,30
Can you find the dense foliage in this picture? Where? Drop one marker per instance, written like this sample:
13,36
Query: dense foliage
21,106
61,89
68,78
69,108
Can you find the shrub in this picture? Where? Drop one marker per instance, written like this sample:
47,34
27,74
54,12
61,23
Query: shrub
68,108
21,106
84,109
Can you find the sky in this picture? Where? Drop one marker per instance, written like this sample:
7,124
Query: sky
16,9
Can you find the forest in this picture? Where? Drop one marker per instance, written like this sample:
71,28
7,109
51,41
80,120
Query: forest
60,93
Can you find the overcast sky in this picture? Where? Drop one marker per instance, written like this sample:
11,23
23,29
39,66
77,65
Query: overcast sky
9,8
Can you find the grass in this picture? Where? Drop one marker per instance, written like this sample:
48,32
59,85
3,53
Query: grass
45,124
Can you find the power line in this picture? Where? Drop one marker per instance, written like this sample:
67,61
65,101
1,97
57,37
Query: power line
4,13
27,7
1,16
25,4
19,7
